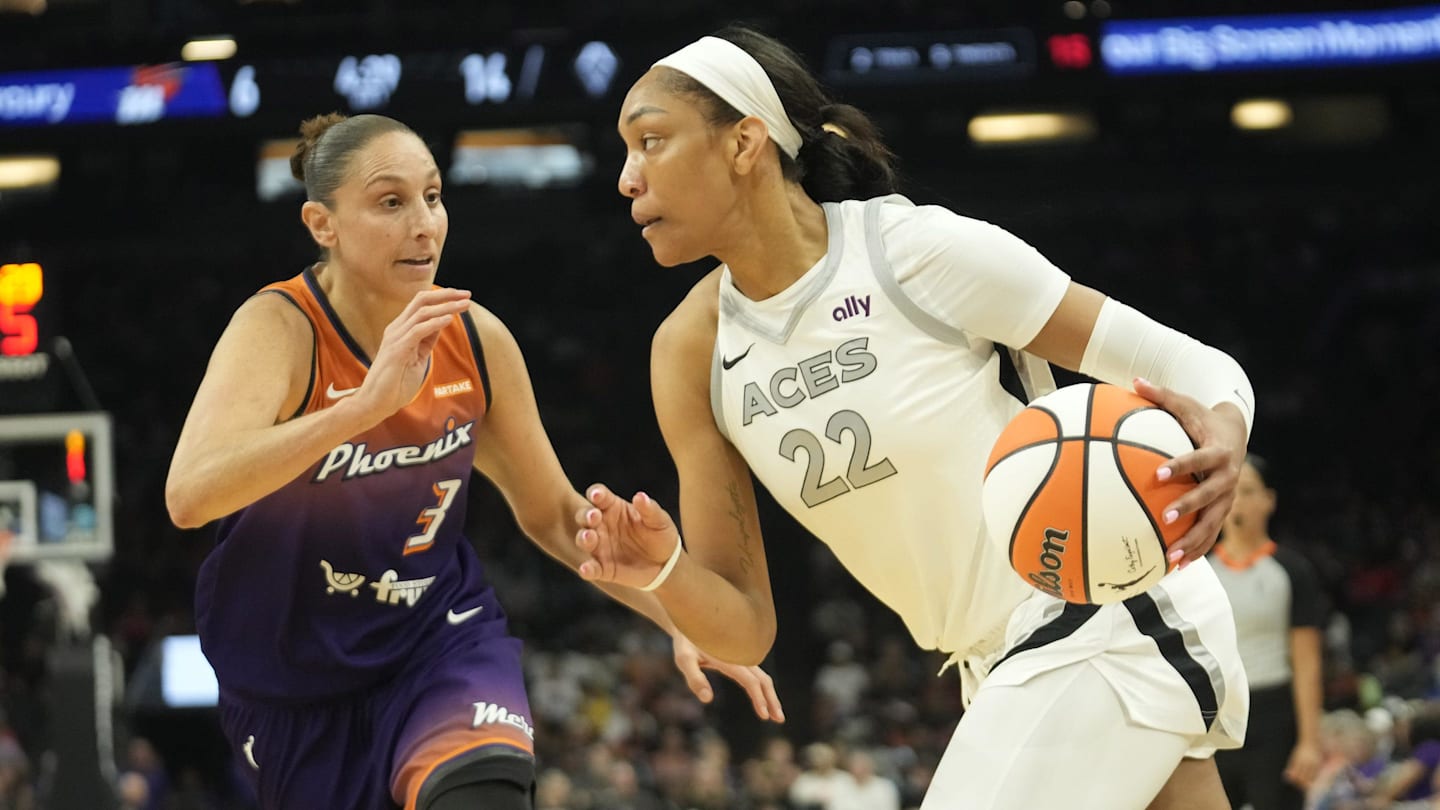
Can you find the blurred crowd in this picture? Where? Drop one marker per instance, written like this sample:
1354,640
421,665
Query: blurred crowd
1329,305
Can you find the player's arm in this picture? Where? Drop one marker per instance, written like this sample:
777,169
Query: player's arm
1204,388
1309,697
513,451
235,447
239,445
1307,617
982,280
718,593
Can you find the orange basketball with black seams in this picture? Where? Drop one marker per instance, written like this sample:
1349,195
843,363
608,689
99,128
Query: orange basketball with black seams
1070,492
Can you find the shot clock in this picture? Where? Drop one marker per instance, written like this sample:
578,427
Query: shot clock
26,382
21,287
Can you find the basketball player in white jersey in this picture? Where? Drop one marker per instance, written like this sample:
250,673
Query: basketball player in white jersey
845,352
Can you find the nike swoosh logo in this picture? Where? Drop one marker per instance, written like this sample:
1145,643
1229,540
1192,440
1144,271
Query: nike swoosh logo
339,393
729,364
462,617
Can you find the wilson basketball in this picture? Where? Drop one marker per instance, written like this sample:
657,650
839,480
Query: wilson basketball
1070,489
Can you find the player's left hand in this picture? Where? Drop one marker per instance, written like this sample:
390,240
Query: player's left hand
1304,765
1219,437
692,661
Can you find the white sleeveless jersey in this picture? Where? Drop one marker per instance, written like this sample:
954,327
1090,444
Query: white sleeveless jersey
866,397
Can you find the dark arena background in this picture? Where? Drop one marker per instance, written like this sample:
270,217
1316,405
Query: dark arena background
1262,174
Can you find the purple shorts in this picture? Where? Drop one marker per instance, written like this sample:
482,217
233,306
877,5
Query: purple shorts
460,695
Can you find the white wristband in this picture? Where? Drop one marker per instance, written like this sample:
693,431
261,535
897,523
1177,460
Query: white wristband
669,566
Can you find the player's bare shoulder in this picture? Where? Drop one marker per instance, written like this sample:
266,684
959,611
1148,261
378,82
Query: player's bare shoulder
487,323
273,329
687,335
503,360
271,310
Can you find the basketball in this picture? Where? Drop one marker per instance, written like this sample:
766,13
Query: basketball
1070,490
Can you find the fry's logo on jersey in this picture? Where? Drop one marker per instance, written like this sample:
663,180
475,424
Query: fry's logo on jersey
389,588
355,460
810,378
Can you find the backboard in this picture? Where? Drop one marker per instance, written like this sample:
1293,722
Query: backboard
57,485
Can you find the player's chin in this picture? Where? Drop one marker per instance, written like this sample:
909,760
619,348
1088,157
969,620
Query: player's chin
670,254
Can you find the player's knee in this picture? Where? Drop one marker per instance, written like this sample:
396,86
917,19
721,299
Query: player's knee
500,780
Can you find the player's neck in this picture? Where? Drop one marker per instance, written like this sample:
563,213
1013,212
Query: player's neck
363,312
782,236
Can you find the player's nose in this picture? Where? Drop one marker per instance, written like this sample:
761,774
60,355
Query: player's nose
632,182
427,222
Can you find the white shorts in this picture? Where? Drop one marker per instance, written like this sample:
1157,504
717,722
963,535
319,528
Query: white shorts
1054,742
1164,661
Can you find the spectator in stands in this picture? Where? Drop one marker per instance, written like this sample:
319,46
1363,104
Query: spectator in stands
1414,776
822,782
869,790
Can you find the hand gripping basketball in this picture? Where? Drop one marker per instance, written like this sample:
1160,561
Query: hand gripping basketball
1071,491
1220,439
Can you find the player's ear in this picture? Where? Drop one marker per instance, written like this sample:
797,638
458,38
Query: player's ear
320,222
750,139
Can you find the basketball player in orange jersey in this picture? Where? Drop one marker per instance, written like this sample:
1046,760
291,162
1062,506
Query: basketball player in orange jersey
845,353
363,659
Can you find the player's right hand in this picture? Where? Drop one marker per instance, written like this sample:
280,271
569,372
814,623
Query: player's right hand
401,362
757,683
627,543
1219,438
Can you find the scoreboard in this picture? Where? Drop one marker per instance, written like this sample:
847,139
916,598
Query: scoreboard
289,88
537,78
546,76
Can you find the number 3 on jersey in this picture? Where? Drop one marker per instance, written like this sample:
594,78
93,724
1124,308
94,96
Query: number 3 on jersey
431,518
861,473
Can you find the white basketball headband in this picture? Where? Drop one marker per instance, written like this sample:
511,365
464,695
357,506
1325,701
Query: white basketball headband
734,75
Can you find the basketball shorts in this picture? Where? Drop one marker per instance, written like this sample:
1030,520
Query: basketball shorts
461,697
1169,653
1059,740
1158,676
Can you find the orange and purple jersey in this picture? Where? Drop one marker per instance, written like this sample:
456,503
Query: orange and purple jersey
328,585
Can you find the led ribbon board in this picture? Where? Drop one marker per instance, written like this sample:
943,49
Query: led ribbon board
1269,42
118,95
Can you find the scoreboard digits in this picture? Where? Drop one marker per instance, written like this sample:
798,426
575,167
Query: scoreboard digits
21,287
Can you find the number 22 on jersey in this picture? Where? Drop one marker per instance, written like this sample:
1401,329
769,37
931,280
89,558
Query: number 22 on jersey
859,472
